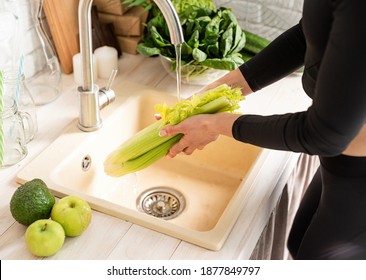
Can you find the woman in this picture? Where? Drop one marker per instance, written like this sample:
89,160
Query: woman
330,41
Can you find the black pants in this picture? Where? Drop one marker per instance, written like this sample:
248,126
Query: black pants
331,220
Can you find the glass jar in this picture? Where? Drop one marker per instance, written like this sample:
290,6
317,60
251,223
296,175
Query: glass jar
37,56
15,87
12,137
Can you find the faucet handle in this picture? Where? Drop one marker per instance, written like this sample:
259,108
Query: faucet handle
106,94
111,79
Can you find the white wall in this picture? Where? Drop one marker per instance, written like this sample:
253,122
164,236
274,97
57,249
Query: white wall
267,18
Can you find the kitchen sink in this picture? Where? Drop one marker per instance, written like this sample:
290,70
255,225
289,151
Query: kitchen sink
199,197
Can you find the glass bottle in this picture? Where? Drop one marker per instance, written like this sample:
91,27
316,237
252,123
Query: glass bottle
15,87
37,56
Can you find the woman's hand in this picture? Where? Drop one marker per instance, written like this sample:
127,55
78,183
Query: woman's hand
199,131
202,129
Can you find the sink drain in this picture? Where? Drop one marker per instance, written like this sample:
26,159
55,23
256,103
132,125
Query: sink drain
161,202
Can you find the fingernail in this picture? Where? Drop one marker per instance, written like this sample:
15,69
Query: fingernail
162,133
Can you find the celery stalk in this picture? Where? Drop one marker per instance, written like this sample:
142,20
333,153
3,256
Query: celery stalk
147,146
120,168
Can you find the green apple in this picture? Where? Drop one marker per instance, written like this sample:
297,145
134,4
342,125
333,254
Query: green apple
73,213
44,237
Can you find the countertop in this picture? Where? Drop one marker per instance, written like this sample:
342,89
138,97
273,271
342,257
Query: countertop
111,238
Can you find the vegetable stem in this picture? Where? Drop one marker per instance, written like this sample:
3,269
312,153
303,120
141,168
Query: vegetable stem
147,146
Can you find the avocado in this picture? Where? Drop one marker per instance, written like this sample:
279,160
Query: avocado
32,201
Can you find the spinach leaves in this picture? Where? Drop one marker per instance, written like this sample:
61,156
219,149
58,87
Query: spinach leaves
213,38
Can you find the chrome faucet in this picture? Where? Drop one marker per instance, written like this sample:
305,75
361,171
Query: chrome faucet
91,98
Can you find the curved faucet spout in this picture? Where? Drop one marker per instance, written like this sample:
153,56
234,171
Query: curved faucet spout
90,97
86,48
85,32
172,20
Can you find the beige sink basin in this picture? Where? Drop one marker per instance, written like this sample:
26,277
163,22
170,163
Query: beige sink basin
213,182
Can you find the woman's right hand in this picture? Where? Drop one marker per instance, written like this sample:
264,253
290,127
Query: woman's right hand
199,131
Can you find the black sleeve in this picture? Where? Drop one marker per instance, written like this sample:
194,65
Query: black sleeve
339,105
283,56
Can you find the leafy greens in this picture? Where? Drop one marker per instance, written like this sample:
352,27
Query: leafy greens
213,37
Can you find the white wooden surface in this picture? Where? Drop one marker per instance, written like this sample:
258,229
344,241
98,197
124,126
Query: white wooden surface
112,238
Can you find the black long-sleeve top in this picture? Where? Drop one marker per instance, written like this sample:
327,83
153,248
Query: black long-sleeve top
330,41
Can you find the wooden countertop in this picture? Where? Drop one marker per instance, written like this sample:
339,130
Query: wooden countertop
112,238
